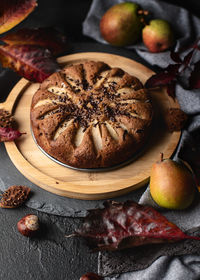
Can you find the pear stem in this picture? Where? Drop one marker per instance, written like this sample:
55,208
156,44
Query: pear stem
161,157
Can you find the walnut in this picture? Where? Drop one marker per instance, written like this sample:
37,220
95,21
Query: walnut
14,196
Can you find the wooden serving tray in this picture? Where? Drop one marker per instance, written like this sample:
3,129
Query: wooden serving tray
51,176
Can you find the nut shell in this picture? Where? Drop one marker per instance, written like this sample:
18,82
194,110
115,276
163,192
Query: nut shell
91,276
28,225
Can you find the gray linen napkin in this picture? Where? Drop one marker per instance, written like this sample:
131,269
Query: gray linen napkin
187,29
185,25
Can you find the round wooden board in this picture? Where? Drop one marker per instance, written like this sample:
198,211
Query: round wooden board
47,174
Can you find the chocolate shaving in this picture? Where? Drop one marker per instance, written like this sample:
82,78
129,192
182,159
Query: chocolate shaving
14,196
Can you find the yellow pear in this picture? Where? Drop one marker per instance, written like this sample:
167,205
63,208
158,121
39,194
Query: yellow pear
172,185
121,24
158,35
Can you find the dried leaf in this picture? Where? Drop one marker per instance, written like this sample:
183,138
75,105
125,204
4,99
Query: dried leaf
32,62
13,12
167,76
181,71
9,134
45,37
14,196
187,58
196,44
175,56
172,69
128,224
160,79
194,79
171,89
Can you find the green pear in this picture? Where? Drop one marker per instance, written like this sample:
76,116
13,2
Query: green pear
121,24
172,185
158,35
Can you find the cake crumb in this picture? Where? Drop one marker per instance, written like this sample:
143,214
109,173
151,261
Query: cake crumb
175,119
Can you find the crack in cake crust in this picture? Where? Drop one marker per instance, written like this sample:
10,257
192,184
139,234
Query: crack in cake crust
90,115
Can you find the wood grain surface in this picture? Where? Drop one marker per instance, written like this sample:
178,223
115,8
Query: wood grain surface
51,176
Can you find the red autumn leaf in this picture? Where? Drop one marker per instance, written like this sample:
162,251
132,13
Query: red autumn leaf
178,72
163,78
172,69
175,56
45,37
194,79
188,58
196,44
32,62
160,79
171,89
9,134
128,224
13,12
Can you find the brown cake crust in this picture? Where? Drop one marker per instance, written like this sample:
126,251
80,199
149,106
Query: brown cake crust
90,115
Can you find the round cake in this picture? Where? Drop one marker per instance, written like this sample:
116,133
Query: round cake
90,115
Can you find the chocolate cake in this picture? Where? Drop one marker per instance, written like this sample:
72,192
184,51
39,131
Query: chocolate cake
89,115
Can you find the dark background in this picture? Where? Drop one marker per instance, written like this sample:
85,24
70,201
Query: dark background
67,16
51,255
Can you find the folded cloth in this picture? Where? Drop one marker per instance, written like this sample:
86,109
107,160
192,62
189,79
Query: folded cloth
187,30
141,257
185,25
166,268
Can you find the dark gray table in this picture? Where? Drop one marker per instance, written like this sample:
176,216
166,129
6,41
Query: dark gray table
50,255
